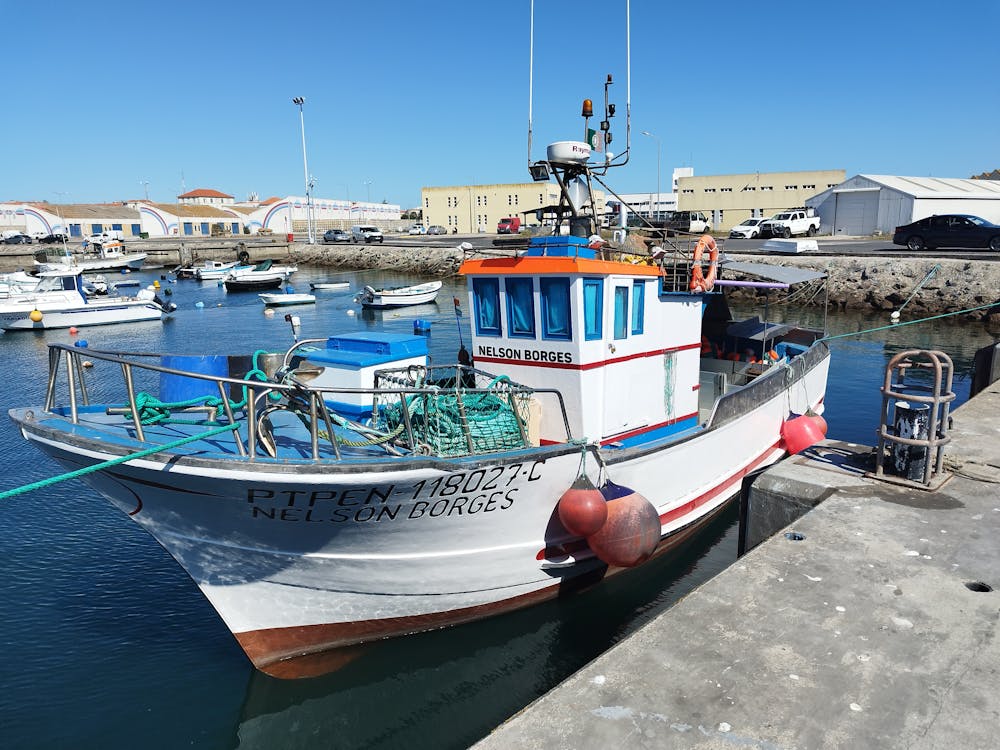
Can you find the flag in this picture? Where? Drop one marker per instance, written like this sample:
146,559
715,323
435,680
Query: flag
595,139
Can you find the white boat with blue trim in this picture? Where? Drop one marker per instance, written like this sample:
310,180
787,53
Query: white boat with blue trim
349,489
60,299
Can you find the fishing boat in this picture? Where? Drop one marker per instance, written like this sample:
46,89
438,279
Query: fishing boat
60,300
287,298
107,256
402,296
329,285
347,489
16,282
217,273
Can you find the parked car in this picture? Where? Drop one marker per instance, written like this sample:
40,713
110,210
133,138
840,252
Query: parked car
747,229
336,235
18,239
417,229
791,222
53,238
366,233
436,229
948,230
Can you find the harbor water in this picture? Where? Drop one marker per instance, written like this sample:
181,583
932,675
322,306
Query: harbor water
107,643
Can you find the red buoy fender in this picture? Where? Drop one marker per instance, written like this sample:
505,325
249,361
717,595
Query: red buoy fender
582,508
800,433
632,531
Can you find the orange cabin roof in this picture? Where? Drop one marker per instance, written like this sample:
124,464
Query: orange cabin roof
534,265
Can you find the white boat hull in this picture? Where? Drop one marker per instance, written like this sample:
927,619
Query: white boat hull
299,557
414,295
103,312
280,298
131,261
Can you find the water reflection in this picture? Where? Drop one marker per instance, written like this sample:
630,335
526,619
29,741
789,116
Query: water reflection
448,688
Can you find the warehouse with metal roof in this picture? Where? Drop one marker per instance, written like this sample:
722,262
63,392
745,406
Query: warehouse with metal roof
868,204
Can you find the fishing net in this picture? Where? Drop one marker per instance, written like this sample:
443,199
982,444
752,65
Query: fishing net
453,411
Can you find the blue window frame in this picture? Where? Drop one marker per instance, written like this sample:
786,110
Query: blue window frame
486,297
188,227
638,306
96,228
621,312
520,308
235,228
204,227
136,230
593,309
556,319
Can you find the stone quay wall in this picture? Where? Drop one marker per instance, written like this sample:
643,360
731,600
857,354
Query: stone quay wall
854,283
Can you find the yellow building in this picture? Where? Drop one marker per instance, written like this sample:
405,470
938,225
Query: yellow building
478,208
729,199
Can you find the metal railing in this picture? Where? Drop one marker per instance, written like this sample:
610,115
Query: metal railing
285,389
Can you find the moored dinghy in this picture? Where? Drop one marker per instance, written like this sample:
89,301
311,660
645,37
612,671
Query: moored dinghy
403,296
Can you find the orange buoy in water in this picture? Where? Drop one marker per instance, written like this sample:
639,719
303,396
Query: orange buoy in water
799,433
632,531
582,508
73,331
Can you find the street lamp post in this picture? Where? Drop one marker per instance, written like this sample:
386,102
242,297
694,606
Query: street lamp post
368,194
299,101
651,135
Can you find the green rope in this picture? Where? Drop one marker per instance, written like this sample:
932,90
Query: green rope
115,461
908,322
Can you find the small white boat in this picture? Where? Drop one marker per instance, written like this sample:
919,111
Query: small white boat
60,300
193,272
399,296
327,285
220,271
110,256
286,298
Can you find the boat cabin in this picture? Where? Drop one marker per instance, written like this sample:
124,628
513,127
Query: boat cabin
624,355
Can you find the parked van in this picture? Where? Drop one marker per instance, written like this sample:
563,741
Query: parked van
692,222
366,233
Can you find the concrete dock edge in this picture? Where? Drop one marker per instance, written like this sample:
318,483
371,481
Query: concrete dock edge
875,630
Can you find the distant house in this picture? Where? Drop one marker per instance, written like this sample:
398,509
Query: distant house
206,197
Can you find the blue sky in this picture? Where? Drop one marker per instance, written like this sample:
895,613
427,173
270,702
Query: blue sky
407,94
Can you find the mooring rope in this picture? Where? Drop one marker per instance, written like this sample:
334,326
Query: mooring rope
115,461
910,322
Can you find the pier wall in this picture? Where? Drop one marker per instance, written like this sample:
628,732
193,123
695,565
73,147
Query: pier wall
873,625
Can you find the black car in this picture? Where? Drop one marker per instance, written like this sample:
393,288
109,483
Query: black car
948,230
336,235
52,238
18,239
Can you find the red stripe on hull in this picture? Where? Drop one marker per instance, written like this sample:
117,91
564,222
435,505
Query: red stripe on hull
312,650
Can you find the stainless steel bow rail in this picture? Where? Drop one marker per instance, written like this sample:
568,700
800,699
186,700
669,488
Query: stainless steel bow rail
282,387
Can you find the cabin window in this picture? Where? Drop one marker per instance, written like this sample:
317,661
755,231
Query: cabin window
638,306
556,323
520,308
486,295
621,312
593,309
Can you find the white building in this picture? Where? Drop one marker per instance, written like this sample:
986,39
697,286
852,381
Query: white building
866,204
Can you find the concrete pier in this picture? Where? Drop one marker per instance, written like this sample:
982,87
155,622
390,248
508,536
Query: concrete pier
876,629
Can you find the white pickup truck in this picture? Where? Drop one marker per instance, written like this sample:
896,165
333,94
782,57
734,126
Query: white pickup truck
794,221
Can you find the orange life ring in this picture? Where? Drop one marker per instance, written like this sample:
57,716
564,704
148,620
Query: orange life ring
699,281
